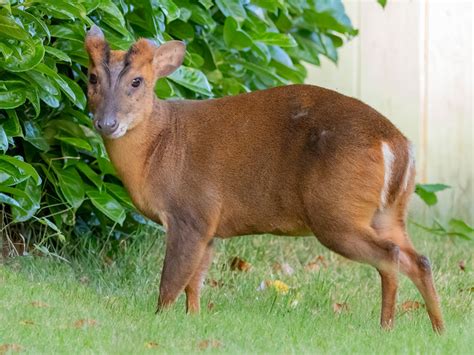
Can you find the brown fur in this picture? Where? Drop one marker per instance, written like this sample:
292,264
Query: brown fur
294,160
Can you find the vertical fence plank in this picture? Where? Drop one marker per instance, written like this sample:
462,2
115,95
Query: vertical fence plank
413,63
449,155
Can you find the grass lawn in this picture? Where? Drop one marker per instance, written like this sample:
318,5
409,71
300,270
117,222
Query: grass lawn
97,304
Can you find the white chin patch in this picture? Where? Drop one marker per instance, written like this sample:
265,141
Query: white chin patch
118,133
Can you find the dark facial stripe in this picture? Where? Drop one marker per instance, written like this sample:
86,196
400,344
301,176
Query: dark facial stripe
126,63
106,60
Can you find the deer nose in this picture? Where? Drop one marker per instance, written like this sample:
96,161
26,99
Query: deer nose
106,126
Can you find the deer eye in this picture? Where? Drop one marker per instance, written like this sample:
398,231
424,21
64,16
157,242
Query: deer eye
136,82
93,79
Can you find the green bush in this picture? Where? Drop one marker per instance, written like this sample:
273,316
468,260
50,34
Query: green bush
54,172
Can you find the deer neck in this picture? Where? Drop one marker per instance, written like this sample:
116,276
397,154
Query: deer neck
130,154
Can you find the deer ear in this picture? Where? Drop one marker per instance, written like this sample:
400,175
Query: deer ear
96,46
168,57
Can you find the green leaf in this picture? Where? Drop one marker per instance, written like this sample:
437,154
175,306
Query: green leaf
10,174
13,191
39,27
3,140
308,49
76,142
12,125
62,9
29,202
455,228
262,72
206,3
234,37
106,166
68,126
59,54
25,168
163,88
90,174
91,5
6,5
270,5
70,184
6,50
461,228
50,224
427,192
120,193
47,89
10,29
432,187
232,8
181,30
330,49
69,87
68,31
169,8
202,16
34,135
107,205
8,200
382,3
114,18
25,56
11,97
428,197
33,96
193,79
276,39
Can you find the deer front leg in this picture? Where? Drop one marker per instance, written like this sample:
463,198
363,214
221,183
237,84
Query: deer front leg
185,249
193,289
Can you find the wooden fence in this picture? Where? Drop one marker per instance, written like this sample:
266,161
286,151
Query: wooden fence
413,63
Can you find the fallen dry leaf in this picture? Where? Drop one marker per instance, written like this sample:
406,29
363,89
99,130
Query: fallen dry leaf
210,305
39,304
316,264
408,306
338,308
84,280
4,348
209,344
85,323
215,283
27,322
284,268
151,345
462,265
108,260
238,264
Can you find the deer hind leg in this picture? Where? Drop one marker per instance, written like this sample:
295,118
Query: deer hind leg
390,226
417,268
193,289
364,245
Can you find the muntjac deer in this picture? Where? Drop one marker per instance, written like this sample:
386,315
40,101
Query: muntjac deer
292,160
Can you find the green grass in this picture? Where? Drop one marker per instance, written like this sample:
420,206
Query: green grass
119,295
